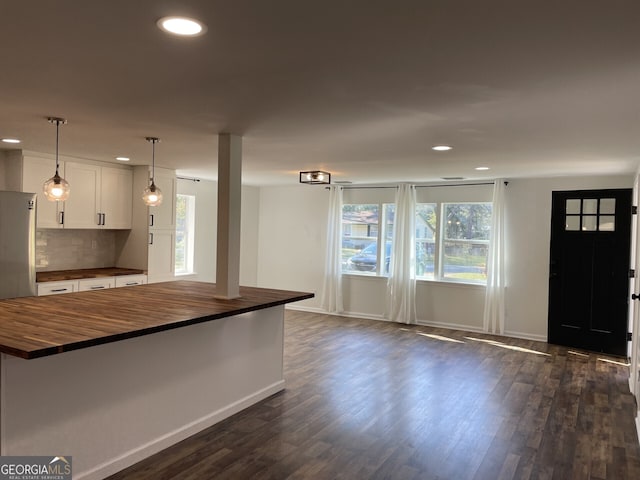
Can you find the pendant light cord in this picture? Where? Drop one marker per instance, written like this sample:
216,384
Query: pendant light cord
57,141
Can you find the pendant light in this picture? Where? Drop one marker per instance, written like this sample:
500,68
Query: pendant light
56,189
152,195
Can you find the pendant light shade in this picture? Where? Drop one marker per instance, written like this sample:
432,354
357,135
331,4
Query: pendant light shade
152,196
56,189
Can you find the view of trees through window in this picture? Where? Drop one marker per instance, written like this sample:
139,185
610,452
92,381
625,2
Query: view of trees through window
461,255
185,235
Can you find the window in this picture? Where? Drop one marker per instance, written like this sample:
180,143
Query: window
452,240
466,229
185,233
426,228
361,232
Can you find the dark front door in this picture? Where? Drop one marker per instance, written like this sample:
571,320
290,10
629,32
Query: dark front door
589,271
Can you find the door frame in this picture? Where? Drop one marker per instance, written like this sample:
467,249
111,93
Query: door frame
634,306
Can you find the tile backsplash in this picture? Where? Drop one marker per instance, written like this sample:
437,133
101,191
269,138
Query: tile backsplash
73,249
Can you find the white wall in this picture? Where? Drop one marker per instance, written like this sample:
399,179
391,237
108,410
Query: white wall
206,221
292,233
528,233
291,253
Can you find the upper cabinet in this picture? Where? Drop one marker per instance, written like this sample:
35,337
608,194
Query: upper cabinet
116,185
100,196
163,216
36,171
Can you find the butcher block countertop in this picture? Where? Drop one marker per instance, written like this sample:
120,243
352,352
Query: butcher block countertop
32,327
59,275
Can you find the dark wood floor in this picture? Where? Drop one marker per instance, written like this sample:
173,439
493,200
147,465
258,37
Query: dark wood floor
377,400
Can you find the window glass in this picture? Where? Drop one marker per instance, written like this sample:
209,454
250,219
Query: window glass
573,206
426,227
185,234
607,206
360,238
466,228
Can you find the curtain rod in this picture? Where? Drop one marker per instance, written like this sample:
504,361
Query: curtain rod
423,186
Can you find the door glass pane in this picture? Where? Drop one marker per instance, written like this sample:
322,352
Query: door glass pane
607,206
590,206
572,223
589,223
573,206
607,223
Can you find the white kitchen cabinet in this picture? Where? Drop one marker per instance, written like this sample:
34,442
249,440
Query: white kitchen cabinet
161,266
116,187
130,280
100,196
163,216
81,208
90,284
57,288
36,171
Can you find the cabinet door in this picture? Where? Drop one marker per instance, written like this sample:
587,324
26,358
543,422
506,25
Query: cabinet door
161,255
115,199
36,171
164,215
81,208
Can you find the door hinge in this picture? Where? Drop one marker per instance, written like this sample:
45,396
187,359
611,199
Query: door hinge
632,273
629,335
634,210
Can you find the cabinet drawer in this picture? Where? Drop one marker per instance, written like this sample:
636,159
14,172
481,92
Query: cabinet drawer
56,288
130,280
95,284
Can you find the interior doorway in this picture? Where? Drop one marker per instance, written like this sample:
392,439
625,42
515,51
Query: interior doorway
589,270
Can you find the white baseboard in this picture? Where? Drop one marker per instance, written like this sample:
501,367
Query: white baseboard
526,336
143,451
451,326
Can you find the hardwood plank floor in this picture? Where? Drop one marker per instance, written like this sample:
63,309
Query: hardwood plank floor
378,400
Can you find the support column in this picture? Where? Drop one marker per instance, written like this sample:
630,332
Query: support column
229,195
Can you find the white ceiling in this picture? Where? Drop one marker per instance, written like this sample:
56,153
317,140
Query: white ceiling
361,88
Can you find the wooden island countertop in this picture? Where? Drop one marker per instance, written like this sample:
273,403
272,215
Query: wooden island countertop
33,327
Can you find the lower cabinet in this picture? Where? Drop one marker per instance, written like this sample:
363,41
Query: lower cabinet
89,284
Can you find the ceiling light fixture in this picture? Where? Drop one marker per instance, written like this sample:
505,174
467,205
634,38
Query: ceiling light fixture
123,159
315,177
482,168
56,189
152,195
441,148
10,140
183,26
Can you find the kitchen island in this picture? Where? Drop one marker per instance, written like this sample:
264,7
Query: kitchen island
112,376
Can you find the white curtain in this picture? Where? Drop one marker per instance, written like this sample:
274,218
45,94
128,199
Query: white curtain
494,297
401,285
331,300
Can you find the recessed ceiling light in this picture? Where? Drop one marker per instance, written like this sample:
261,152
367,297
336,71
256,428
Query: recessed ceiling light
186,27
441,148
10,140
123,159
482,168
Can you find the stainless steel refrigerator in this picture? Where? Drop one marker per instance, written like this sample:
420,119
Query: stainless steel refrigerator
17,244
